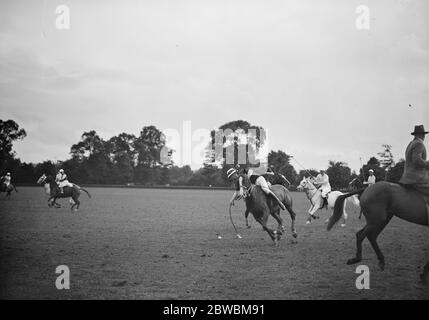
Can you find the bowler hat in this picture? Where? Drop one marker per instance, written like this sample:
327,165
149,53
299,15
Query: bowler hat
419,130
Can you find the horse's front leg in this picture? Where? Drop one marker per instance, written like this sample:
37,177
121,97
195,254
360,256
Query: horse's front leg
246,215
311,211
274,235
54,202
50,201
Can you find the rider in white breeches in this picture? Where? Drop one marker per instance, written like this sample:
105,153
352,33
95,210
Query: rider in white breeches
322,180
62,181
259,180
7,179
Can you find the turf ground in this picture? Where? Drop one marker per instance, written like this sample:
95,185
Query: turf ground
162,244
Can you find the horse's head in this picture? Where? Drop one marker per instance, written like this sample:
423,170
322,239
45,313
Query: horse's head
45,179
306,183
42,179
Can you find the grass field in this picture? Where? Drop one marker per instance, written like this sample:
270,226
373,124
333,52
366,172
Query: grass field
162,244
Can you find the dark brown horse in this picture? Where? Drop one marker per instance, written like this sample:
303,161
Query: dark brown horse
55,192
262,207
379,203
274,179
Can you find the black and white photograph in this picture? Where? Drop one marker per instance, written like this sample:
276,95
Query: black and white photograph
228,151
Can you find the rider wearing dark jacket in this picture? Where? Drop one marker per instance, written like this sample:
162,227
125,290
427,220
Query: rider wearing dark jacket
416,169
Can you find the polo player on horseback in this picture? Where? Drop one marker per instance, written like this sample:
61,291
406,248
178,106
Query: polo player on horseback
371,178
62,180
254,179
6,180
408,200
322,181
416,169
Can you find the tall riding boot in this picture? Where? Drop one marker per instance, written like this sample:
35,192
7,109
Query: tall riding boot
324,203
278,200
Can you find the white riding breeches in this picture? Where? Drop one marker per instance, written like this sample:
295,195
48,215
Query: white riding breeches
65,183
263,184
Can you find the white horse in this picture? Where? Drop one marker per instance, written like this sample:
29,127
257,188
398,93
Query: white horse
316,200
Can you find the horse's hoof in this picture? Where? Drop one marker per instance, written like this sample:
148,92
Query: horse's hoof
353,261
308,222
295,235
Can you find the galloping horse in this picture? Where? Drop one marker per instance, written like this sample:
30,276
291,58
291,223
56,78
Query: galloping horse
316,200
276,178
8,189
262,206
55,192
379,203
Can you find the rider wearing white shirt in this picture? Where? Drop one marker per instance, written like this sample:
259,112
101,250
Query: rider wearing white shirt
255,179
371,178
62,181
6,179
322,180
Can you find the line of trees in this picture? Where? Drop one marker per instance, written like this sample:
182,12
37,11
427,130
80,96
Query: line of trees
130,159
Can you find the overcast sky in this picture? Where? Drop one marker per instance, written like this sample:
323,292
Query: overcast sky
323,89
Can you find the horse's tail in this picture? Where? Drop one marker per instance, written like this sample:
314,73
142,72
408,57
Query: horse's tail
86,192
339,207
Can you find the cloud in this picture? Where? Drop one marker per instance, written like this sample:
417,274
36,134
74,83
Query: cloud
299,68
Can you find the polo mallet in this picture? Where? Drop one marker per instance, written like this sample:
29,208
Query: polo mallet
284,178
302,166
232,222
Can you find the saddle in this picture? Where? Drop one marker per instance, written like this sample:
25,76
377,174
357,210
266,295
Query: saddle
65,189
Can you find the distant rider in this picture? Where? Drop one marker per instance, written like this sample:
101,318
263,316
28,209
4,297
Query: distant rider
6,180
371,178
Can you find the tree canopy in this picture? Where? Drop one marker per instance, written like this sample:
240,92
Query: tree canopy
126,158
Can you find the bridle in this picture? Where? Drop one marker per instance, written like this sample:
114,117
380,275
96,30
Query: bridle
309,189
